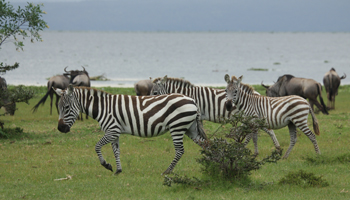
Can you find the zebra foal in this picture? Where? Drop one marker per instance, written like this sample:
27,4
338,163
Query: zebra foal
144,116
291,111
210,101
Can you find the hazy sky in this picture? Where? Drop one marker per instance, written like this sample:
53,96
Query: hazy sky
197,15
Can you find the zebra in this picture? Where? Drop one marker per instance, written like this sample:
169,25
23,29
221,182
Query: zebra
211,102
145,116
278,112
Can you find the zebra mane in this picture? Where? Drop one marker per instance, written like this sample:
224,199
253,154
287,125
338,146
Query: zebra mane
184,82
245,87
90,88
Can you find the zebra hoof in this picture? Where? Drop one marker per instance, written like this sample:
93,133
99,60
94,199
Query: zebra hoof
108,166
166,172
118,172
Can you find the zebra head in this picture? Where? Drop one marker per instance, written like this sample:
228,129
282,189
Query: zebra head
68,107
232,91
159,86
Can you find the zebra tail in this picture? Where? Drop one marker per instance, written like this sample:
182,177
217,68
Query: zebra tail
315,122
200,126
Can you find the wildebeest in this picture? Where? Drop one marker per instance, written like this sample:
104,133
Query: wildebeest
290,85
10,107
143,87
331,82
59,81
79,78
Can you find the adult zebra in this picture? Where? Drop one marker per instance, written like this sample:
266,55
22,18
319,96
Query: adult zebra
210,101
144,116
278,111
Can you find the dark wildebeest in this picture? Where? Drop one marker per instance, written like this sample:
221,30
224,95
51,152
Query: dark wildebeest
59,81
290,85
331,82
79,78
10,107
143,87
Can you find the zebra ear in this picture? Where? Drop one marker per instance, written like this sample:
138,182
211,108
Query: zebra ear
227,78
165,78
70,89
239,80
58,91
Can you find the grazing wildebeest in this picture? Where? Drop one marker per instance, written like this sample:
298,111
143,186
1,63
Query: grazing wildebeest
59,81
143,87
290,85
79,78
331,82
10,107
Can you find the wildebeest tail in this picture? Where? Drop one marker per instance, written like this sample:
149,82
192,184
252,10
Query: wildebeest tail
319,88
42,101
314,122
330,85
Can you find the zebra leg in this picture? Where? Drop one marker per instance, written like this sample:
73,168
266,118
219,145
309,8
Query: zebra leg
196,133
273,137
179,150
255,141
116,151
107,138
293,138
306,130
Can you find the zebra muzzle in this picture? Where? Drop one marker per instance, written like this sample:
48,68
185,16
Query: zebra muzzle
62,127
228,105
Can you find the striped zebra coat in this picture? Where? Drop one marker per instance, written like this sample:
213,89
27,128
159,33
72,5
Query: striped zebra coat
291,111
144,116
210,101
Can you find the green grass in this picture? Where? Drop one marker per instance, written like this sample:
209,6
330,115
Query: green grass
30,164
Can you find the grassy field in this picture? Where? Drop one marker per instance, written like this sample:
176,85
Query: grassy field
30,164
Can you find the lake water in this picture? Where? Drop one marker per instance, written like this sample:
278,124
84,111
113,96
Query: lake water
203,58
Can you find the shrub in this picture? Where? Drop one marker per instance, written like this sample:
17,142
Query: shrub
304,179
230,160
12,133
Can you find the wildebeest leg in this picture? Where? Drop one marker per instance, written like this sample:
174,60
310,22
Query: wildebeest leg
293,138
51,98
318,105
57,100
311,102
333,102
329,101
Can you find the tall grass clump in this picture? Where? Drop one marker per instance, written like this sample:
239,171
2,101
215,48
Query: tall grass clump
304,179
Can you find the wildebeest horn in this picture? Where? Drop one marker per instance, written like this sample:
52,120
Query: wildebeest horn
83,68
343,76
265,86
65,69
